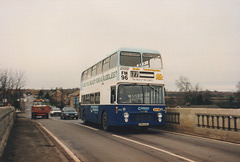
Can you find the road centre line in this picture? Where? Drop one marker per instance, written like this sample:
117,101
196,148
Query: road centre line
87,126
155,148
69,152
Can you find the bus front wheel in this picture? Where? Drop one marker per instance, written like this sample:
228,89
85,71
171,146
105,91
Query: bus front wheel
104,121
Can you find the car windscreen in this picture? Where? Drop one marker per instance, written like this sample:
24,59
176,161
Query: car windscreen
56,109
70,110
38,103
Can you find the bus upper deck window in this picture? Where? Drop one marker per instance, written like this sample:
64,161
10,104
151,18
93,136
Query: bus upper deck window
106,64
113,60
94,70
99,68
89,73
152,60
130,59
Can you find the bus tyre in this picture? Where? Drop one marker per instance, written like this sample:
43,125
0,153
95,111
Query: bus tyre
104,121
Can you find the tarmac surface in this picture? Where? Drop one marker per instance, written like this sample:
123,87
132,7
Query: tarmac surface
28,142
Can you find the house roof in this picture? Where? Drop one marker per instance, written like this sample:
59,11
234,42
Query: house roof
76,93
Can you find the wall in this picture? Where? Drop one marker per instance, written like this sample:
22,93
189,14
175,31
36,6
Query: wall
222,124
7,116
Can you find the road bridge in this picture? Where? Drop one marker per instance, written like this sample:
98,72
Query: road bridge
90,143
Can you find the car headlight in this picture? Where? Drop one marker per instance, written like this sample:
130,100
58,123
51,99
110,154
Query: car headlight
126,115
67,114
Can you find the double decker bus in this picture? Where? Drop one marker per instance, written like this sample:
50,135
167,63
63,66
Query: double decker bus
124,89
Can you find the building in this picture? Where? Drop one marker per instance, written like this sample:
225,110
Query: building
74,99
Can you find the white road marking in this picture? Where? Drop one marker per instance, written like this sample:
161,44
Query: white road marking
196,136
69,152
155,148
87,126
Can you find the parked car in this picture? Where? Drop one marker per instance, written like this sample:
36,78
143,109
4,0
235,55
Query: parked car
55,111
69,113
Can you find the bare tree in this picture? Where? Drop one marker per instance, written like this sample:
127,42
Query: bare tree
238,86
10,86
183,84
191,95
3,79
20,79
237,95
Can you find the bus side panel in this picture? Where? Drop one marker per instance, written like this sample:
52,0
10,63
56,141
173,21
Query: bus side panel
94,113
91,115
111,114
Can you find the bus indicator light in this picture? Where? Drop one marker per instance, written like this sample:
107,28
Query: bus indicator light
156,109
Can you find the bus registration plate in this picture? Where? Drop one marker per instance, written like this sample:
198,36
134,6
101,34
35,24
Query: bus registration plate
143,124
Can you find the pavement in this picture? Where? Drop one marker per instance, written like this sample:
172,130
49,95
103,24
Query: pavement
29,142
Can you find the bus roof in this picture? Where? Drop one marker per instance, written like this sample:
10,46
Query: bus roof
140,50
127,49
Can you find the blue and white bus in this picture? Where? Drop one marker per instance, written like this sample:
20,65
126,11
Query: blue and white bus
124,89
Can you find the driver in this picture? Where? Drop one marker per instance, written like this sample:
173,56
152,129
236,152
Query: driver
123,98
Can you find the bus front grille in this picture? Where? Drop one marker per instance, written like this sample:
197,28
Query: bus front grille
143,117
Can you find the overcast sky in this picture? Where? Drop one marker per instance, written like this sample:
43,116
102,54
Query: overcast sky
53,41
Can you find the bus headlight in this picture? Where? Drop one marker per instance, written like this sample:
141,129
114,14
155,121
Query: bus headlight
159,115
126,115
159,120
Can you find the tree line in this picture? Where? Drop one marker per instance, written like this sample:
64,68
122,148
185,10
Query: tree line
193,95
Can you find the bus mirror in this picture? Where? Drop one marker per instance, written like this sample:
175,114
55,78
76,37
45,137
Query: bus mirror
113,99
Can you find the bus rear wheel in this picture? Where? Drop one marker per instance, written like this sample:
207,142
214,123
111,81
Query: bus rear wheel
104,121
84,117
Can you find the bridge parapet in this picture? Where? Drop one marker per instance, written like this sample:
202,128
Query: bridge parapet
7,116
216,121
223,124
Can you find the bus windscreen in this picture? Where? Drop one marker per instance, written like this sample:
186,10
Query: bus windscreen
130,59
152,60
140,94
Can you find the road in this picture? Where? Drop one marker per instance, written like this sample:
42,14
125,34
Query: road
91,143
